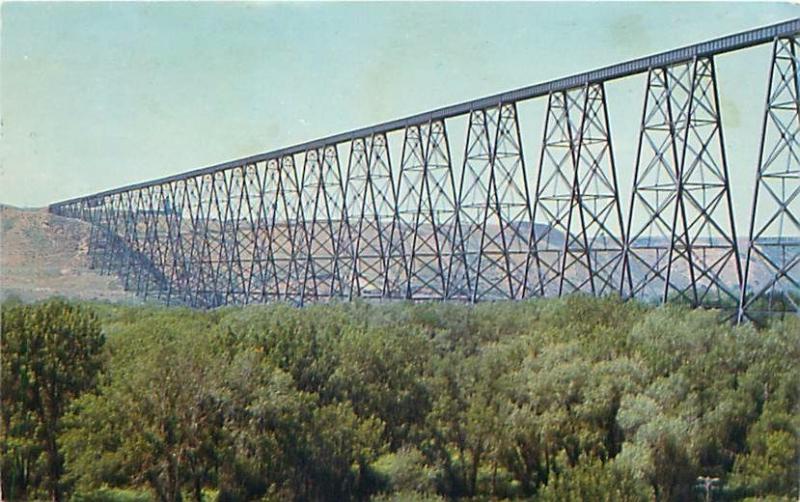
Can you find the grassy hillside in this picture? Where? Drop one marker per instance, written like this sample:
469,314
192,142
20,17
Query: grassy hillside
42,255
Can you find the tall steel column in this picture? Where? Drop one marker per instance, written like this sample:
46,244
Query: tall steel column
704,233
554,194
273,235
217,243
774,240
326,274
420,244
596,217
495,206
231,276
654,198
260,199
198,285
248,240
305,189
99,237
292,248
172,206
372,198
102,233
150,279
580,247
473,194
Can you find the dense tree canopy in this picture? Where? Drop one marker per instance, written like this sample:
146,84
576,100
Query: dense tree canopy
563,399
50,356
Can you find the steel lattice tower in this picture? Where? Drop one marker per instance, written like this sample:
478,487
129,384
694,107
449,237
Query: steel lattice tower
371,193
327,267
503,239
704,213
687,237
654,195
577,195
420,247
472,199
775,220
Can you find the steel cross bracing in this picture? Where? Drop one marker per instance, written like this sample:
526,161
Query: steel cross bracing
775,219
403,211
420,243
686,246
492,237
581,248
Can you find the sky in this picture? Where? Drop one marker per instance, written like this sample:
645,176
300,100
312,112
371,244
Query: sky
99,95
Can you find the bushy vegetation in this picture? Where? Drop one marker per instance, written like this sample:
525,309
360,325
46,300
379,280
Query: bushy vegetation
568,399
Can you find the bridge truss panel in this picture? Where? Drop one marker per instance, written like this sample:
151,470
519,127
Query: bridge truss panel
774,238
579,243
704,236
420,247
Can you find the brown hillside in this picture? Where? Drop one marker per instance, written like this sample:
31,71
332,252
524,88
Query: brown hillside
43,255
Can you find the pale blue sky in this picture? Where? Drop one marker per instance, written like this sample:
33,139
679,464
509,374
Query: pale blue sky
99,95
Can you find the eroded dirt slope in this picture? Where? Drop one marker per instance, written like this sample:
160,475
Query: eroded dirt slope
43,255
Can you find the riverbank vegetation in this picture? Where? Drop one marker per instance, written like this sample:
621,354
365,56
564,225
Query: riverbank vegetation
562,399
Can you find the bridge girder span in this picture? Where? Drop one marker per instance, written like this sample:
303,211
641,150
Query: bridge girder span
392,214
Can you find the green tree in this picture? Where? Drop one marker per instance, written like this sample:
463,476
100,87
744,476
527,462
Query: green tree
381,373
575,398
51,355
770,465
158,415
591,479
465,421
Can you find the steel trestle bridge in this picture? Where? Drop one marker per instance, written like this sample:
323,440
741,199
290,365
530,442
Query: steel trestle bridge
389,212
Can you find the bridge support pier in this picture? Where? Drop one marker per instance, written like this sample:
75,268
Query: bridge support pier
682,237
494,206
420,246
578,198
325,272
774,238
372,198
